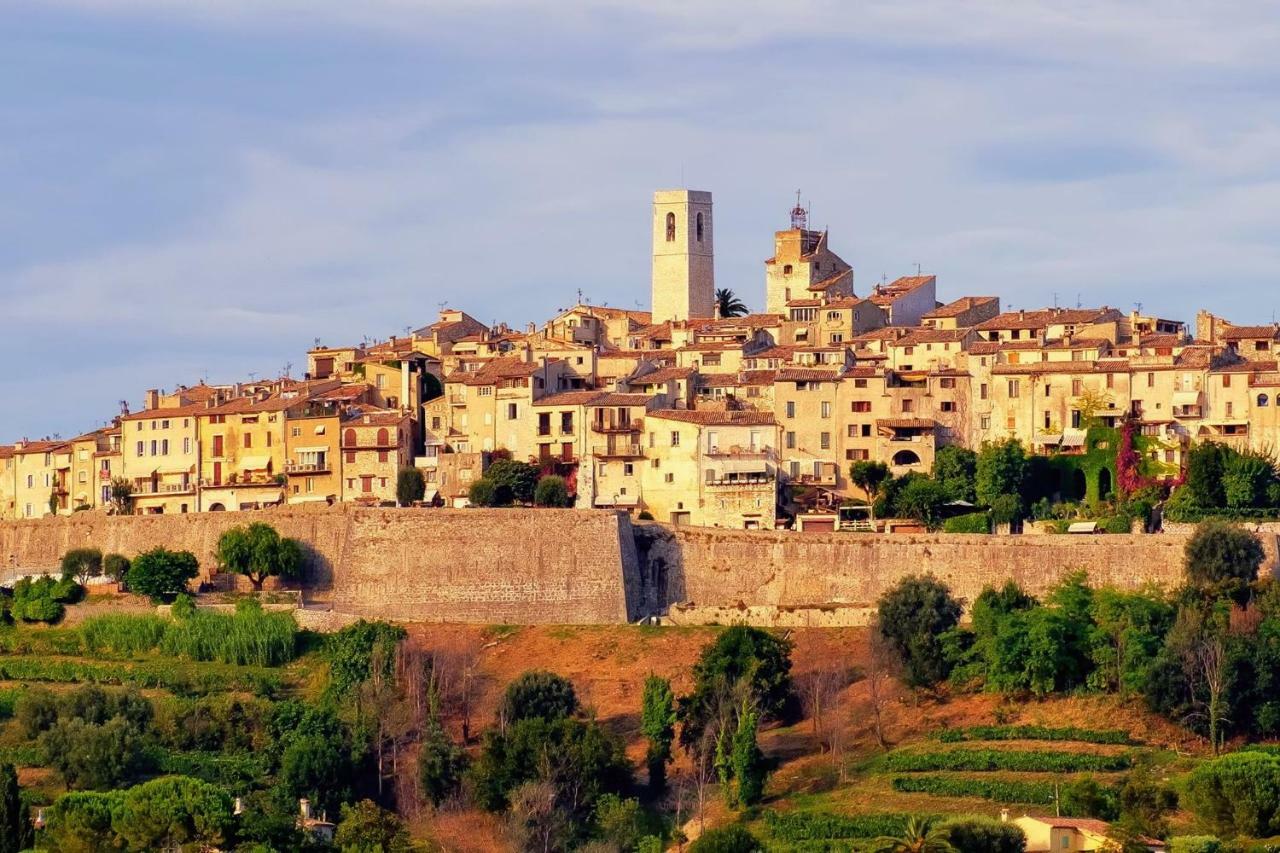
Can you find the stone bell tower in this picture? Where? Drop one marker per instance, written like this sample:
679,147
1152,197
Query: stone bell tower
684,283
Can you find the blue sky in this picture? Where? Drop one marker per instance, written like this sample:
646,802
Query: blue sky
204,188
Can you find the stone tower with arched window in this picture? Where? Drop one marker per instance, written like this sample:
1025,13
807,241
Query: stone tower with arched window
684,283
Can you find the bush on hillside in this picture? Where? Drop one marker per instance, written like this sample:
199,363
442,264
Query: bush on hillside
161,574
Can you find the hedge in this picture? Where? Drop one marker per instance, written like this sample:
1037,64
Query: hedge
973,522
1048,733
164,674
825,826
981,760
988,789
1196,514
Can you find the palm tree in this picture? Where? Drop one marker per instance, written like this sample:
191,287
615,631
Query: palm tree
918,836
730,304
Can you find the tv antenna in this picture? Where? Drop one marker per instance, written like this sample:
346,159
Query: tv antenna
1138,305
919,268
288,366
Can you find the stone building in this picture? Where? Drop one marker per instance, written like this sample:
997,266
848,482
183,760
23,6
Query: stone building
683,280
803,267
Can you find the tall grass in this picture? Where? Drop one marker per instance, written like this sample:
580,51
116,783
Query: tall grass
180,679
249,637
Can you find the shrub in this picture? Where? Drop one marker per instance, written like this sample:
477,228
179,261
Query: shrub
1237,794
1220,555
411,486
1195,844
1088,798
979,760
35,600
735,838
513,481
483,492
912,617
355,651
973,522
552,491
1067,733
982,835
1006,509
441,764
115,566
93,756
644,515
367,826
160,574
540,694
824,826
160,814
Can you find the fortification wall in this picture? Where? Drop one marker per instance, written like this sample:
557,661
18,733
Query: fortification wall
702,575
519,566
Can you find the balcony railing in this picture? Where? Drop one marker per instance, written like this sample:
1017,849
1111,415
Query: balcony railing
616,426
163,488
741,480
741,452
815,479
307,467
457,400
1188,412
617,451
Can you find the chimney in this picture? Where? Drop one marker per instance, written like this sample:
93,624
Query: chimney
152,398
1022,314
1004,815
304,808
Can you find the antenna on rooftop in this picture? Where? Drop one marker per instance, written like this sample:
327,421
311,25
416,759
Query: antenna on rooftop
288,366
253,376
918,269
799,216
1078,302
1055,299
1138,305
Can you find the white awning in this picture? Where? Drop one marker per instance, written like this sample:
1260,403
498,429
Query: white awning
320,449
1073,439
1083,527
176,469
1049,438
1186,398
255,463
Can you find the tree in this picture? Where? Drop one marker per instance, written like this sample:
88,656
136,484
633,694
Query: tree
1206,465
1246,479
749,768
912,617
869,476
411,486
366,827
82,564
734,838
658,722
173,811
121,495
919,835
36,600
115,566
92,756
880,669
536,819
982,835
1222,556
12,815
729,303
441,763
1001,469
161,574
257,551
538,694
757,660
1088,798
513,480
922,499
552,491
955,467
1237,794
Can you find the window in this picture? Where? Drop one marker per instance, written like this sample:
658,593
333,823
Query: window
1111,380
675,439
140,446
1047,421
1226,380
296,432
857,455
791,408
698,226
791,440
908,406
668,478
1048,390
866,430
513,412
786,269
1075,419
248,439
1014,388
1230,409
1263,401
154,445
948,406
671,227
826,409
863,406
164,447
824,441
982,391
859,383
627,469
947,382
1077,387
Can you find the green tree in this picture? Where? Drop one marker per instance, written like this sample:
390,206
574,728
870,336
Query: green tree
12,815
913,616
1246,480
1130,633
982,835
411,486
756,659
870,477
357,650
368,828
1206,465
81,821
920,835
441,763
956,468
1222,556
483,492
121,495
1145,804
923,499
1001,469
619,822
552,491
539,694
161,574
115,566
1237,794
174,810
729,303
1089,798
93,756
734,838
516,479
258,552
82,564
658,722
749,768
35,600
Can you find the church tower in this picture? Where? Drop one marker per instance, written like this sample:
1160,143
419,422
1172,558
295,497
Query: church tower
684,282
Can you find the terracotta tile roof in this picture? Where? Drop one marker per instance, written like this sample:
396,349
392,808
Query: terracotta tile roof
868,355
1161,339
1243,333
830,280
716,418
1245,367
885,294
175,412
803,303
1078,343
932,336
654,332
846,302
1047,317
570,398
6,451
886,333
614,398
664,374
959,306
862,373
1065,367
357,416
200,393
42,446
759,377
906,423
984,348
800,374
498,369
345,392
624,353
718,380
780,351
711,346
1084,823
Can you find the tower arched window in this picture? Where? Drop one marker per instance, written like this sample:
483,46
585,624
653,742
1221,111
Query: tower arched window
671,227
1263,401
699,227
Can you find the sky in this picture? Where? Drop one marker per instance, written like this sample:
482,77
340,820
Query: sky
201,190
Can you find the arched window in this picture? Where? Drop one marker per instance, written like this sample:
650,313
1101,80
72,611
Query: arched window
671,227
1263,401
699,227
906,457
382,437
349,438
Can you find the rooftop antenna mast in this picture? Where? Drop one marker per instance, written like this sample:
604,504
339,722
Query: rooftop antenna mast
919,268
799,216
1055,299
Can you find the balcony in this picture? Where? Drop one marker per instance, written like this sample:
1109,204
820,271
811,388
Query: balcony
307,467
617,451
163,488
739,479
736,452
828,479
457,399
1188,413
611,426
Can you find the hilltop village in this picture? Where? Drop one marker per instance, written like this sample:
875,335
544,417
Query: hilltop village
694,413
